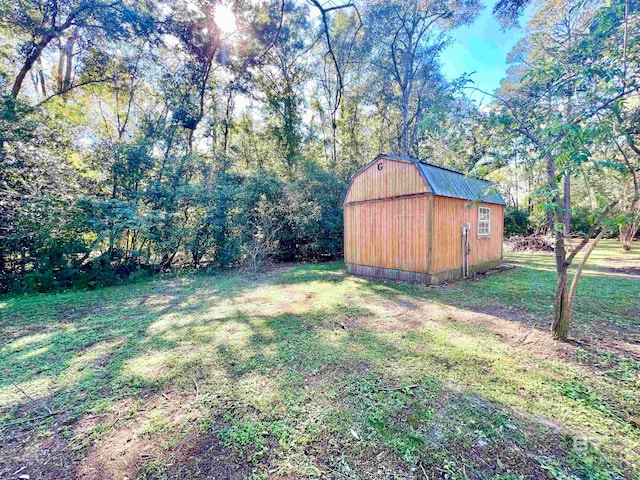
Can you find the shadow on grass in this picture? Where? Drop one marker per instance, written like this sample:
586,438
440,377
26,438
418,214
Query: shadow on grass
276,382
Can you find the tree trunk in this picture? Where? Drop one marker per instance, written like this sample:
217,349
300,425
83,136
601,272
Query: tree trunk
28,64
629,230
566,204
565,297
628,233
334,141
40,77
562,310
562,304
576,276
404,132
69,59
61,62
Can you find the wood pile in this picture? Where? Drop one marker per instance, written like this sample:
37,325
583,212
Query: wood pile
531,243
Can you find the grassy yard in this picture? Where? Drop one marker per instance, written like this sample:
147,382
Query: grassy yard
307,372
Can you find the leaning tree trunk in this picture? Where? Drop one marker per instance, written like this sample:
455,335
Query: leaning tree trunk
32,57
565,296
576,276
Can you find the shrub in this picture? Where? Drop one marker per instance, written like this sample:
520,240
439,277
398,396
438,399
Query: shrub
229,220
516,222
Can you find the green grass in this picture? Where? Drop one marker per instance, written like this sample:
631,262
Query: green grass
308,372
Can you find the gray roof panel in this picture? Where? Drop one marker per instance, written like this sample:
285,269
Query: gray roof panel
449,183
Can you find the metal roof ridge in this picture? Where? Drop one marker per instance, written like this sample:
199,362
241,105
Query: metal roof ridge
466,175
412,159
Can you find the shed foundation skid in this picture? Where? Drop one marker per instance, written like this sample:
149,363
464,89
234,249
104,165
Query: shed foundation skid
417,277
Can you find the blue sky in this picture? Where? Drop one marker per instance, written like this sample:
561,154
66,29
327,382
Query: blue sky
481,48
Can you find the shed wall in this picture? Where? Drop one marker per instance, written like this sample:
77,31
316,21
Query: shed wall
391,233
449,214
395,179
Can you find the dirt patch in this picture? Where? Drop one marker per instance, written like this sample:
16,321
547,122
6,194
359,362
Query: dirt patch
39,453
580,330
604,331
399,323
208,458
514,314
280,267
610,356
37,458
633,271
634,313
393,316
70,314
602,352
163,298
401,304
618,266
9,335
514,327
329,375
134,436
353,323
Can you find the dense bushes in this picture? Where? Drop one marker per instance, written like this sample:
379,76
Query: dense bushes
516,222
231,220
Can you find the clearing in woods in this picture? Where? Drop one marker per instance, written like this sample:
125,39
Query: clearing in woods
306,372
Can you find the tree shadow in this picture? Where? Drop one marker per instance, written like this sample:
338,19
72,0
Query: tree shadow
293,389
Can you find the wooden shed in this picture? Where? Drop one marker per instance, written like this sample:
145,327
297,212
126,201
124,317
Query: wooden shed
406,219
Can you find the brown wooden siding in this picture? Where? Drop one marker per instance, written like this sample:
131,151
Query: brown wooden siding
396,178
449,214
391,234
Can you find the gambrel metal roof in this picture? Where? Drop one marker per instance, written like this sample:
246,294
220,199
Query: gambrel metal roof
449,183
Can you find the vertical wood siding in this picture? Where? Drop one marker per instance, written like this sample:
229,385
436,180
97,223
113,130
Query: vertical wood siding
390,233
449,214
396,178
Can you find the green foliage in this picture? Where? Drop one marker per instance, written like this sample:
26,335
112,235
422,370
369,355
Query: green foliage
516,222
581,220
140,137
98,240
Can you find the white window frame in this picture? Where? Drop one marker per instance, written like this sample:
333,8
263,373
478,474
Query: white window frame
484,221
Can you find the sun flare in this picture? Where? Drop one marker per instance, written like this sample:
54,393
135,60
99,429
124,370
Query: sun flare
224,18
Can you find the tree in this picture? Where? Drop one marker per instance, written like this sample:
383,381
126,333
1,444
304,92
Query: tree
39,24
556,105
280,79
625,159
341,45
405,39
137,136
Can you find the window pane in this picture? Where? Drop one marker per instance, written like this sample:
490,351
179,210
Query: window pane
484,220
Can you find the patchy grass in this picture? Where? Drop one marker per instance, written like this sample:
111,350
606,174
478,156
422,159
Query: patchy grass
306,372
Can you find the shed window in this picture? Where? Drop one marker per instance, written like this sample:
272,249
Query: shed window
484,221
